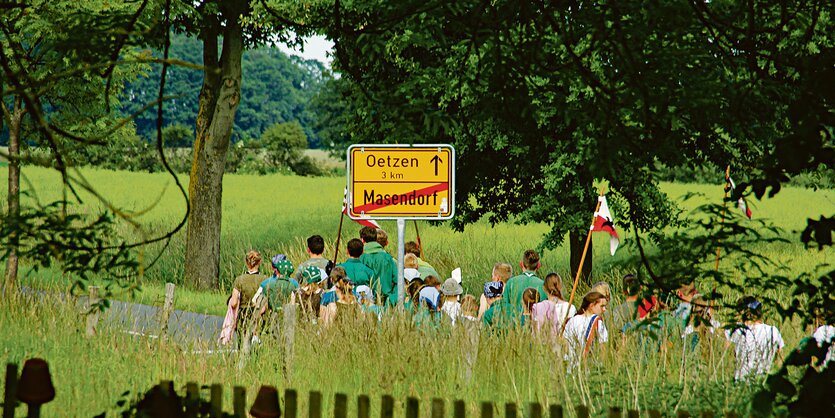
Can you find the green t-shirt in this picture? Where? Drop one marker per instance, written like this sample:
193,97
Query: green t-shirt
384,282
426,269
359,273
247,284
501,314
277,290
516,286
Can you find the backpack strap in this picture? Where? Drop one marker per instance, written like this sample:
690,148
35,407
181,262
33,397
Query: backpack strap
590,333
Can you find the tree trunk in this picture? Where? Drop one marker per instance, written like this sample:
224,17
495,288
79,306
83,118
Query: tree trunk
219,99
577,241
15,118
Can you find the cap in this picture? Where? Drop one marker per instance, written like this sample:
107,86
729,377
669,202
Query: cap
493,289
284,266
313,274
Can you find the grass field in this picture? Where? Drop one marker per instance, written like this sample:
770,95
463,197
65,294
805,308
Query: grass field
274,214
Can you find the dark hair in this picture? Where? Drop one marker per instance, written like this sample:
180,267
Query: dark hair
553,285
368,234
412,248
316,244
431,280
752,309
529,297
631,285
590,299
382,237
355,248
530,260
414,287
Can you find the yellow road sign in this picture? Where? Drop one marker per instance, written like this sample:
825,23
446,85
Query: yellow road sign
413,182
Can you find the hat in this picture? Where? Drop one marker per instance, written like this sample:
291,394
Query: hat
363,293
411,274
493,289
456,275
313,274
451,287
429,295
282,264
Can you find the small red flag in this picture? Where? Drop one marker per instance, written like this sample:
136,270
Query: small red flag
603,222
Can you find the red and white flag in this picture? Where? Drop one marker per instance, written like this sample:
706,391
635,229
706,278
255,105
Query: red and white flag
741,203
603,222
363,222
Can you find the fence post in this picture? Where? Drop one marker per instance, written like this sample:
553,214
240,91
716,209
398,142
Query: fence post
437,408
653,413
471,339
192,397
92,317
289,337
363,407
340,407
534,410
167,307
555,411
487,410
683,414
239,401
708,414
633,413
615,412
412,408
217,400
582,411
315,405
10,395
510,410
387,407
290,403
459,409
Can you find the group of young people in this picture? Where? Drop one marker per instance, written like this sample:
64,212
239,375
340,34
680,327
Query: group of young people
365,286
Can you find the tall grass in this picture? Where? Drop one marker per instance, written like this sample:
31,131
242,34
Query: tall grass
365,357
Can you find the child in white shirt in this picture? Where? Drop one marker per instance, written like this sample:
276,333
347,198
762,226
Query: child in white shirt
586,327
756,344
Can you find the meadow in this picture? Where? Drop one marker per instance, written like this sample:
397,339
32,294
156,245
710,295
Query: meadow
275,213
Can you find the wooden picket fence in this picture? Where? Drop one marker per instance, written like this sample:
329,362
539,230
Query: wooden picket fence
36,389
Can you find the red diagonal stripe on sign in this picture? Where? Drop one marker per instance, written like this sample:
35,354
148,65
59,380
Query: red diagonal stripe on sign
427,191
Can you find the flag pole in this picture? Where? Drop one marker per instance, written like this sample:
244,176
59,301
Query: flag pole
339,234
582,261
724,208
420,244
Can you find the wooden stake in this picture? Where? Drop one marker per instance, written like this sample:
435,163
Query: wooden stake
724,207
338,236
92,316
582,262
419,243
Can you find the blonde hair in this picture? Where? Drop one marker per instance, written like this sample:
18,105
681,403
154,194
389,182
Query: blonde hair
602,288
502,271
469,305
410,261
338,278
253,259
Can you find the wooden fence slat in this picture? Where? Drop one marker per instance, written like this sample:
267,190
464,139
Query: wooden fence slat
387,410
582,411
291,406
10,395
167,308
193,396
239,401
653,413
555,411
683,414
633,413
615,412
731,414
340,406
412,407
363,407
437,408
459,409
534,410
487,410
708,414
92,317
510,410
288,336
315,405
216,400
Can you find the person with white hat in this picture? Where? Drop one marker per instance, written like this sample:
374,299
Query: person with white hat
451,290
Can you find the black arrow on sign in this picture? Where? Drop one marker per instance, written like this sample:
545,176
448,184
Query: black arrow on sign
436,160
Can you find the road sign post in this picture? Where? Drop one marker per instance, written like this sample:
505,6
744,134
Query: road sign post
400,182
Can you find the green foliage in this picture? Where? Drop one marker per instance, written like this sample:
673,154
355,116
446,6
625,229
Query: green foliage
284,142
277,88
178,135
